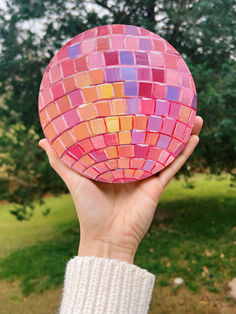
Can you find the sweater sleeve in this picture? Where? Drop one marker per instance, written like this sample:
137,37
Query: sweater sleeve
95,285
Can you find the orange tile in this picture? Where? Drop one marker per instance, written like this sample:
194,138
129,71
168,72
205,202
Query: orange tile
111,152
52,110
78,167
124,137
63,104
126,123
97,76
50,132
81,130
112,164
69,84
59,148
67,139
90,94
103,108
118,106
97,126
140,122
126,151
129,173
87,160
184,113
83,79
123,162
119,90
92,173
86,145
43,118
138,173
151,138
87,111
107,176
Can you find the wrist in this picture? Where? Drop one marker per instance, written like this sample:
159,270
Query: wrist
106,249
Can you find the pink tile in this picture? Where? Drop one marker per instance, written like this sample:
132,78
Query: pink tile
96,60
55,73
169,160
163,156
75,151
75,98
59,124
131,43
71,118
147,106
174,110
98,141
187,134
154,153
101,167
141,151
157,59
117,42
137,163
168,125
179,130
157,168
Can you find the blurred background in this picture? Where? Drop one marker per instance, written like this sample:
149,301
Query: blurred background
193,234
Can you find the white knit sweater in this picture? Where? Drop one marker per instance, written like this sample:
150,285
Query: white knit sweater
98,285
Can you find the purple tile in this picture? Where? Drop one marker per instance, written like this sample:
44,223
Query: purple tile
163,141
129,74
194,102
71,117
74,51
132,105
148,165
179,149
154,123
131,30
126,57
112,75
145,44
162,107
138,137
172,93
131,89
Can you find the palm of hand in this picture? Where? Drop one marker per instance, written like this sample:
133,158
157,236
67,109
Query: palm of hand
118,214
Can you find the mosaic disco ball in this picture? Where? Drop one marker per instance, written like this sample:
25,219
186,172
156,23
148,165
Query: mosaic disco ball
117,103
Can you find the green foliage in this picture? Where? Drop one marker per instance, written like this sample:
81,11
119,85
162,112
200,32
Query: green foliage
204,32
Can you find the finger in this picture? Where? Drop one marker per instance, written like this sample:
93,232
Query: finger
197,125
168,173
54,159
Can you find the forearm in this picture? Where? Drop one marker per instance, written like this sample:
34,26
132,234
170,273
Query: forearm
95,285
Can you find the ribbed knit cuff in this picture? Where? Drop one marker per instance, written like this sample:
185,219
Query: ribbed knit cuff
97,285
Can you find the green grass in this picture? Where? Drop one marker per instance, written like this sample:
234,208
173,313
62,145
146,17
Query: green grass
194,238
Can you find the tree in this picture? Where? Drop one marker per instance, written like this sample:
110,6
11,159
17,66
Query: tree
30,34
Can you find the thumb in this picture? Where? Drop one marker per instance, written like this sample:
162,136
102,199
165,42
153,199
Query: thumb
53,158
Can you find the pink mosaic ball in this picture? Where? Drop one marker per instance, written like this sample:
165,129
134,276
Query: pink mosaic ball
117,103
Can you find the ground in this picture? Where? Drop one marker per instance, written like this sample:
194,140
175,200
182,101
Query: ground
193,236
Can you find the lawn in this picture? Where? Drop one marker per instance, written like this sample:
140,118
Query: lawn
193,236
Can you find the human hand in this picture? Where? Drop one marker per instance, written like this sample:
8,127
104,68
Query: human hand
115,217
